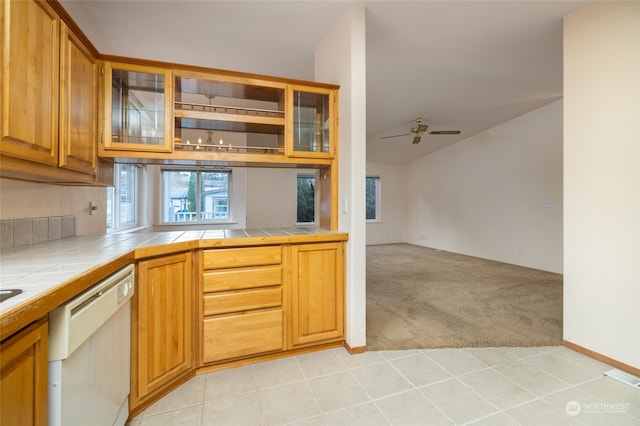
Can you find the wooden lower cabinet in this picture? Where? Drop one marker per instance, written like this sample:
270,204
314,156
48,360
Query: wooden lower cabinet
242,312
242,334
23,377
259,300
162,324
317,293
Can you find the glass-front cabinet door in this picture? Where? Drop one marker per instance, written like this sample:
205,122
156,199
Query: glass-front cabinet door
137,108
311,116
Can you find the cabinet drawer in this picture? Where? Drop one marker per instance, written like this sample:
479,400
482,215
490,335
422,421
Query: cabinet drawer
233,336
221,303
236,257
235,279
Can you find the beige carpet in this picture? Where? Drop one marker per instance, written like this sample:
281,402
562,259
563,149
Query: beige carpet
419,297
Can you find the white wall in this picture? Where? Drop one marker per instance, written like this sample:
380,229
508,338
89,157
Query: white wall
485,196
340,58
602,179
272,197
390,228
25,200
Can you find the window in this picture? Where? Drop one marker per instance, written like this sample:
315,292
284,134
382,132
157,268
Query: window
123,198
373,198
196,196
306,199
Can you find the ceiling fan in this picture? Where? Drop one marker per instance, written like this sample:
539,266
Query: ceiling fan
420,130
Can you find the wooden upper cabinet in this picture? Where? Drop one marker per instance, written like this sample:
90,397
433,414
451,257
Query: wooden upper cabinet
78,105
311,122
137,108
30,66
49,96
209,108
61,110
188,114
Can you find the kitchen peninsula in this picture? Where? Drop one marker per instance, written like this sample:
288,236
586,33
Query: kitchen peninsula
246,294
202,300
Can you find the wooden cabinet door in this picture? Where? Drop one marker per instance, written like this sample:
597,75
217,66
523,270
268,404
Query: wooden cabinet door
162,344
78,105
23,377
30,66
311,122
317,293
137,109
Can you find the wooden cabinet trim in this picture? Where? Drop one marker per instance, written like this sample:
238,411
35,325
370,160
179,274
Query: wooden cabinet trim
236,76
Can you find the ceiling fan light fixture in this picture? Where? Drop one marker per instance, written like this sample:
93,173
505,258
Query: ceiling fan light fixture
416,140
422,128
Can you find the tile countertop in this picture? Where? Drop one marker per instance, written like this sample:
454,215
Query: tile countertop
39,269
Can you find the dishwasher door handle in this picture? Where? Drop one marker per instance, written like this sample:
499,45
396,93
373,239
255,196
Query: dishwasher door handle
75,321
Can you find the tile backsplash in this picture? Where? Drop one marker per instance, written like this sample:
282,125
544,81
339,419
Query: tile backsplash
25,232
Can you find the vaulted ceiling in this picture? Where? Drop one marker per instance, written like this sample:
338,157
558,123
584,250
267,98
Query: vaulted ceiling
461,65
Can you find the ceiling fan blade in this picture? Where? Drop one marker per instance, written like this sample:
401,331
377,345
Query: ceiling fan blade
419,130
445,132
394,136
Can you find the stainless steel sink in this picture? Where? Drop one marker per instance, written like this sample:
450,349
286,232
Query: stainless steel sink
7,293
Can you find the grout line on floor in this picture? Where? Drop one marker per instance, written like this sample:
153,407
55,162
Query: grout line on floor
344,367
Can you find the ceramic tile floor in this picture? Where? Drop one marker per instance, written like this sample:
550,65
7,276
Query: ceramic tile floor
483,386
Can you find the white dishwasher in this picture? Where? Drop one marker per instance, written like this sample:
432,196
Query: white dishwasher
89,355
